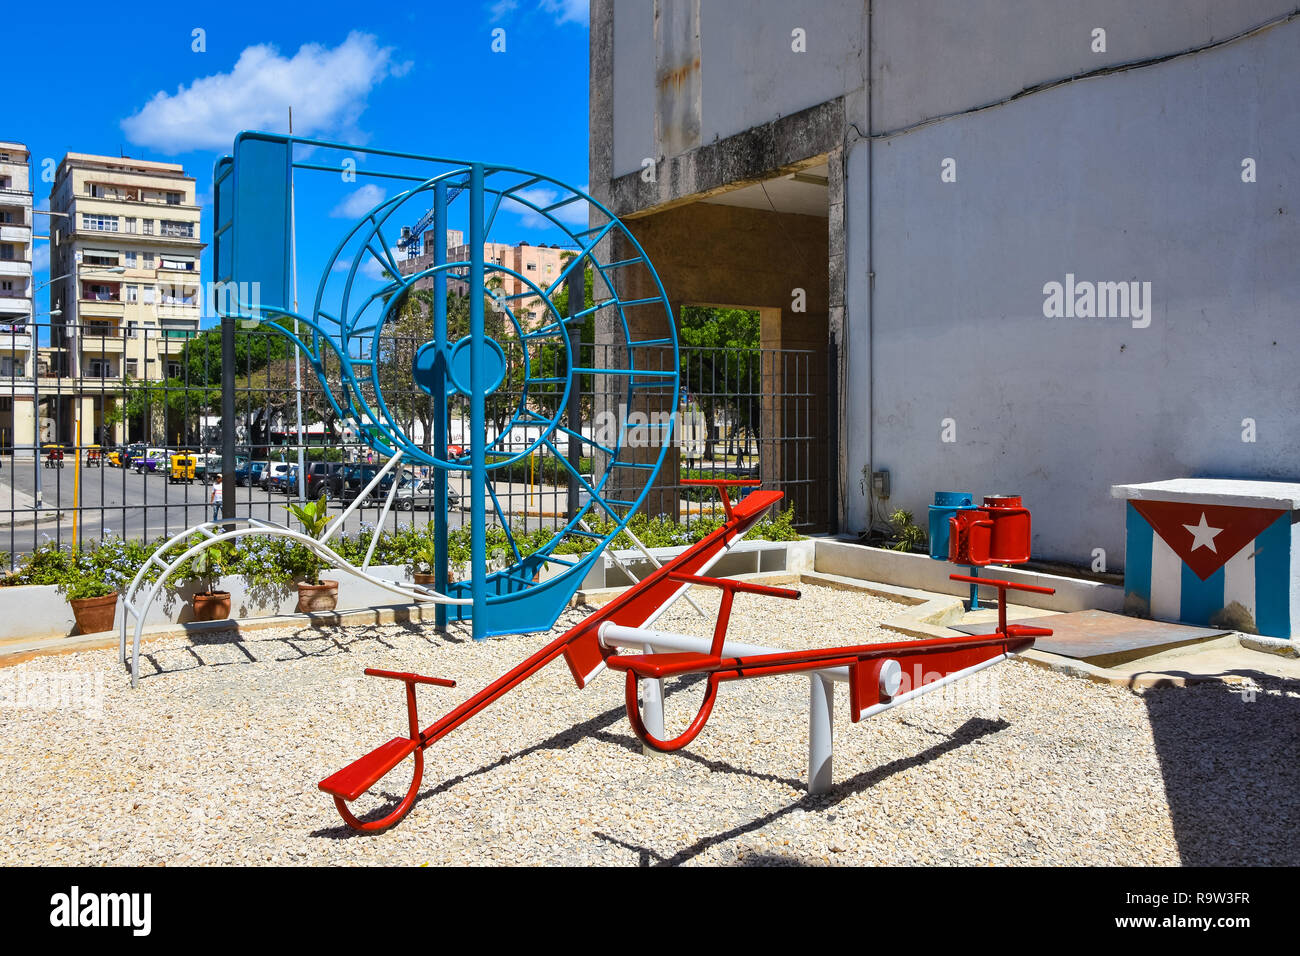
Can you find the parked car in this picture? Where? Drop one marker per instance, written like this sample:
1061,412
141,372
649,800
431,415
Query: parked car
153,460
183,466
256,470
285,482
130,453
273,468
356,477
244,470
318,475
415,493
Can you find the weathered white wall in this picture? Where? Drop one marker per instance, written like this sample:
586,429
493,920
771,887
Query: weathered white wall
1127,176
749,74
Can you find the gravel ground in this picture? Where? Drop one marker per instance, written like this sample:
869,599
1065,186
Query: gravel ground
215,759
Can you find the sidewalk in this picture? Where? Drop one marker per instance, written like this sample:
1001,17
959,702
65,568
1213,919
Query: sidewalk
24,509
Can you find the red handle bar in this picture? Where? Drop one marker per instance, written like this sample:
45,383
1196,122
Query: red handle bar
409,678
1000,585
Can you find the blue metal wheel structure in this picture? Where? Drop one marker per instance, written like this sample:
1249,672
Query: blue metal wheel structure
526,359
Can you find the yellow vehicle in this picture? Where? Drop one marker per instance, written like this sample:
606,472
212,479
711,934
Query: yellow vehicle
95,456
182,467
115,459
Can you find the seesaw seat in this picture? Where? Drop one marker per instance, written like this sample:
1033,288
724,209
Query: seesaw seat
364,772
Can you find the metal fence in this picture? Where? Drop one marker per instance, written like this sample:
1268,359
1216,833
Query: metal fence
117,431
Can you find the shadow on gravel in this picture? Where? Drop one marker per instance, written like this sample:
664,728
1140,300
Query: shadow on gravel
598,727
1231,765
595,727
967,732
312,640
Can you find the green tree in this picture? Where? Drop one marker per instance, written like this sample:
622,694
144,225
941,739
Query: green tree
720,365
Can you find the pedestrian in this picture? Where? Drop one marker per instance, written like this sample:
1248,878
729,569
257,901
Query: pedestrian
216,499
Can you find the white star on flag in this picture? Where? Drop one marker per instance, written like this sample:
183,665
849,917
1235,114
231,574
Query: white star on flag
1203,535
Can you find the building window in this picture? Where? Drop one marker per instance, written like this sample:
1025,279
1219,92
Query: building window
130,258
99,223
148,295
148,260
178,230
6,404
130,225
174,199
132,293
133,368
6,251
173,370
100,369
6,286
148,226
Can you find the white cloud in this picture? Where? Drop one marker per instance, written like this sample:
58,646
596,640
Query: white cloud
565,11
41,257
360,202
502,8
327,89
574,214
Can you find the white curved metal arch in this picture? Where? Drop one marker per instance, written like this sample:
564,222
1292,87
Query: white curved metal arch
251,526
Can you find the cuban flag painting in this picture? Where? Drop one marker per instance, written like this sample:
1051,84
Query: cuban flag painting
1210,564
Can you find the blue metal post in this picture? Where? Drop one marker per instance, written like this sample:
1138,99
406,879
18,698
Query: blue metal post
441,578
477,407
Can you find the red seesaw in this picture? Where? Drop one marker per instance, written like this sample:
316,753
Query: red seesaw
876,673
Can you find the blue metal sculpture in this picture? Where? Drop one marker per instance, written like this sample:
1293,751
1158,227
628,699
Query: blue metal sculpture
361,286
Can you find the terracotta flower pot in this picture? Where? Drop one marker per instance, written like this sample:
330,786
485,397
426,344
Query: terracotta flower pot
425,579
211,605
95,614
318,597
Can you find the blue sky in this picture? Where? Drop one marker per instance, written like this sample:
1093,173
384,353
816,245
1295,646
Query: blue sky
420,77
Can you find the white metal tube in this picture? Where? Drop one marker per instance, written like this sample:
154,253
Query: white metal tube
361,496
821,732
379,525
652,706
618,635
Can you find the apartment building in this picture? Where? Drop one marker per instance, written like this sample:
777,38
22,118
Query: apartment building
127,291
537,265
16,418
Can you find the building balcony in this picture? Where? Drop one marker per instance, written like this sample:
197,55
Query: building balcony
93,345
14,232
14,341
14,304
101,308
15,267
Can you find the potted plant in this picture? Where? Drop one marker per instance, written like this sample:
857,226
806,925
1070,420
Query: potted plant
313,593
426,558
207,567
94,602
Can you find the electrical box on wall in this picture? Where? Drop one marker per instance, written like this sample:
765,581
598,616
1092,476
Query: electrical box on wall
880,483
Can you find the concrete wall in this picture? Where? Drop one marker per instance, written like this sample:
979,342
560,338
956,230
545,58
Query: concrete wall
1133,175
1129,176
748,73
